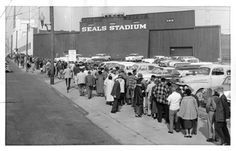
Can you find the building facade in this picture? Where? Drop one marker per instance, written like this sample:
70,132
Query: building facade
164,33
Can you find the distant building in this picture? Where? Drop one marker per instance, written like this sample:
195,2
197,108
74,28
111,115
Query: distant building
162,33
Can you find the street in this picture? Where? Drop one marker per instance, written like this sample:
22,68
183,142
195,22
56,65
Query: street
37,115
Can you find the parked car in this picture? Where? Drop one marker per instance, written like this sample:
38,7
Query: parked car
148,60
101,56
134,57
166,72
190,59
206,76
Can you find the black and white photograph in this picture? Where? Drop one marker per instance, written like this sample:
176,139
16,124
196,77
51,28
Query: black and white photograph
111,74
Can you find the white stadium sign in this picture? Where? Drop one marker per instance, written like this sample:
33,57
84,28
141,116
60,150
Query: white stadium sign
115,27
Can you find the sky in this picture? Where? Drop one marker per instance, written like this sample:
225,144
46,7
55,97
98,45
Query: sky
68,18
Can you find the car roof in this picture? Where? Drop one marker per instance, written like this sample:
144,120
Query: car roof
216,65
126,63
143,63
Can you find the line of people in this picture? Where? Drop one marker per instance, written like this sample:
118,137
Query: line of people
157,98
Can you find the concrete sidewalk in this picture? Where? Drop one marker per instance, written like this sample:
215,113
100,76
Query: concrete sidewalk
124,126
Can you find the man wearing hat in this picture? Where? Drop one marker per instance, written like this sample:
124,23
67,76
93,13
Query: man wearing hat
222,113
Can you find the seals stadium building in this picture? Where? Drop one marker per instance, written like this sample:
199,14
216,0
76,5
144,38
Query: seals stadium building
164,33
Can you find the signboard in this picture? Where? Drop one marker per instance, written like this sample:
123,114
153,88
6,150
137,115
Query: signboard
72,55
114,27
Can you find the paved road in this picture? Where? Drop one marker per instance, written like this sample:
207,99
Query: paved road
37,114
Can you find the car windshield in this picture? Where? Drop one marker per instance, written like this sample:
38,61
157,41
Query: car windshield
160,71
203,71
227,81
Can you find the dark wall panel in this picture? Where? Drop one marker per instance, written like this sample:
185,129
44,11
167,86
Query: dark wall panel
225,47
170,20
118,44
206,43
161,41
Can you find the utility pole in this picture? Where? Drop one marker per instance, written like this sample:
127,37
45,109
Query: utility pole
27,41
26,46
52,45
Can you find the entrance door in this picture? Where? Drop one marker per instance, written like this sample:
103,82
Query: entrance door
181,51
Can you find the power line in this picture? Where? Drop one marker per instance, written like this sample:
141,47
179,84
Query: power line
21,13
6,8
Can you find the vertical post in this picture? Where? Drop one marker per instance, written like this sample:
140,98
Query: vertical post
26,46
52,45
16,38
11,44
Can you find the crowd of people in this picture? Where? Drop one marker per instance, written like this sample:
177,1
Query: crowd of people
158,98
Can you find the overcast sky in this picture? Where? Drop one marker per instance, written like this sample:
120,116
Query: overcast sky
68,18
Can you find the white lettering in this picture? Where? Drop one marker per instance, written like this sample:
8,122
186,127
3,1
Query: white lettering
104,28
116,27
143,26
131,26
89,28
121,27
94,29
127,27
83,29
136,26
111,28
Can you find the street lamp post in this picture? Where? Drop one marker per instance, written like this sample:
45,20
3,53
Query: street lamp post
52,45
26,47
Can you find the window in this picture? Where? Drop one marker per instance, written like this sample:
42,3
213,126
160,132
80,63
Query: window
203,71
143,68
218,71
227,81
151,67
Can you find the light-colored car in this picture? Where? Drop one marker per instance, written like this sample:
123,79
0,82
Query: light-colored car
101,56
148,60
126,66
134,57
165,72
145,69
190,59
206,76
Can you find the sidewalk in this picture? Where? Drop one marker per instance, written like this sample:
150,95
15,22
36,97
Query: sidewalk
124,126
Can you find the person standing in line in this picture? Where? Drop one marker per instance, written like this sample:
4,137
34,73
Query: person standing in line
131,82
122,89
160,93
75,72
100,84
67,75
174,104
188,112
210,110
222,114
116,95
139,92
149,93
90,82
81,82
108,84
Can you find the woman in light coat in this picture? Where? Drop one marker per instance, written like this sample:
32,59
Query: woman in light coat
188,112
108,85
68,75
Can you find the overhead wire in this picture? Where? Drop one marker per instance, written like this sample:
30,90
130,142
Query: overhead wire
6,8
